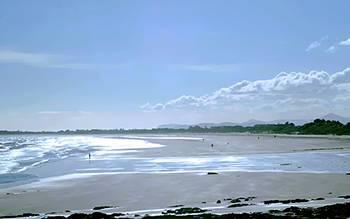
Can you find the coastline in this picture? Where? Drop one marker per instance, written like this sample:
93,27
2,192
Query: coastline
177,175
135,192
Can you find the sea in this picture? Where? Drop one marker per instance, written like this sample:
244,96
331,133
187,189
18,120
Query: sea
31,158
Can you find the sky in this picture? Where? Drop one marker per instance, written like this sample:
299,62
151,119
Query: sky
139,64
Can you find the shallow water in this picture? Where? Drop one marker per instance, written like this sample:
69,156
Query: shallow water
35,157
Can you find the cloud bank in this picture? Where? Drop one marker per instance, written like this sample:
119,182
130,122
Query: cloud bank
306,93
345,42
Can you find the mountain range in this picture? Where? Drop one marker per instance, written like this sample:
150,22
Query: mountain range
252,122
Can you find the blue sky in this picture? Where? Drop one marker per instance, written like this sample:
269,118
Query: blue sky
111,64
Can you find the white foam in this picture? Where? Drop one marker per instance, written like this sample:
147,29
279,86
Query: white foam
164,137
36,150
33,165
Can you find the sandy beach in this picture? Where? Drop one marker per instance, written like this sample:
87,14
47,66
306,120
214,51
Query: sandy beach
149,191
176,175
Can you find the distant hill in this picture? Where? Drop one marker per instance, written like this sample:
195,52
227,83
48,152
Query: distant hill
335,117
320,126
252,122
295,121
173,126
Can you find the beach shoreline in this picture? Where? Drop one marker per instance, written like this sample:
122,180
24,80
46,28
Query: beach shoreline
137,192
183,170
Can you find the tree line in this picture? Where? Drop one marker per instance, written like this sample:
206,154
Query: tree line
317,127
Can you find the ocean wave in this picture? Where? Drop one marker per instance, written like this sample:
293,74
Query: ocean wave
20,153
163,137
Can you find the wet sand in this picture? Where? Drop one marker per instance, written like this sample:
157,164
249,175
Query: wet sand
140,191
152,191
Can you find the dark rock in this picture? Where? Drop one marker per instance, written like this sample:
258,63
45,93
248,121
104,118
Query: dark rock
344,196
273,211
236,200
218,202
99,215
117,214
338,211
285,201
249,198
318,199
21,215
184,211
212,173
176,206
285,164
238,205
78,216
101,207
329,211
56,217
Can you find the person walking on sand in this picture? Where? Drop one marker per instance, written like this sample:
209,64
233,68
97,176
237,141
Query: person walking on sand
89,156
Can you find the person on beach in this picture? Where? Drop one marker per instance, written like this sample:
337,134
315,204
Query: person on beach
89,156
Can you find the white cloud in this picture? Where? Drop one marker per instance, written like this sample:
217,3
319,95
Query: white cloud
315,44
345,42
331,49
311,93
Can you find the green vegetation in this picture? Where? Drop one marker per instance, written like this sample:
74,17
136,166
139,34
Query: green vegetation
317,127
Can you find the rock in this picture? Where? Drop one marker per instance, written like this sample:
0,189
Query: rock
21,215
318,199
330,211
78,216
236,200
238,205
101,207
249,198
212,173
344,196
218,202
56,217
117,214
285,201
175,206
185,211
